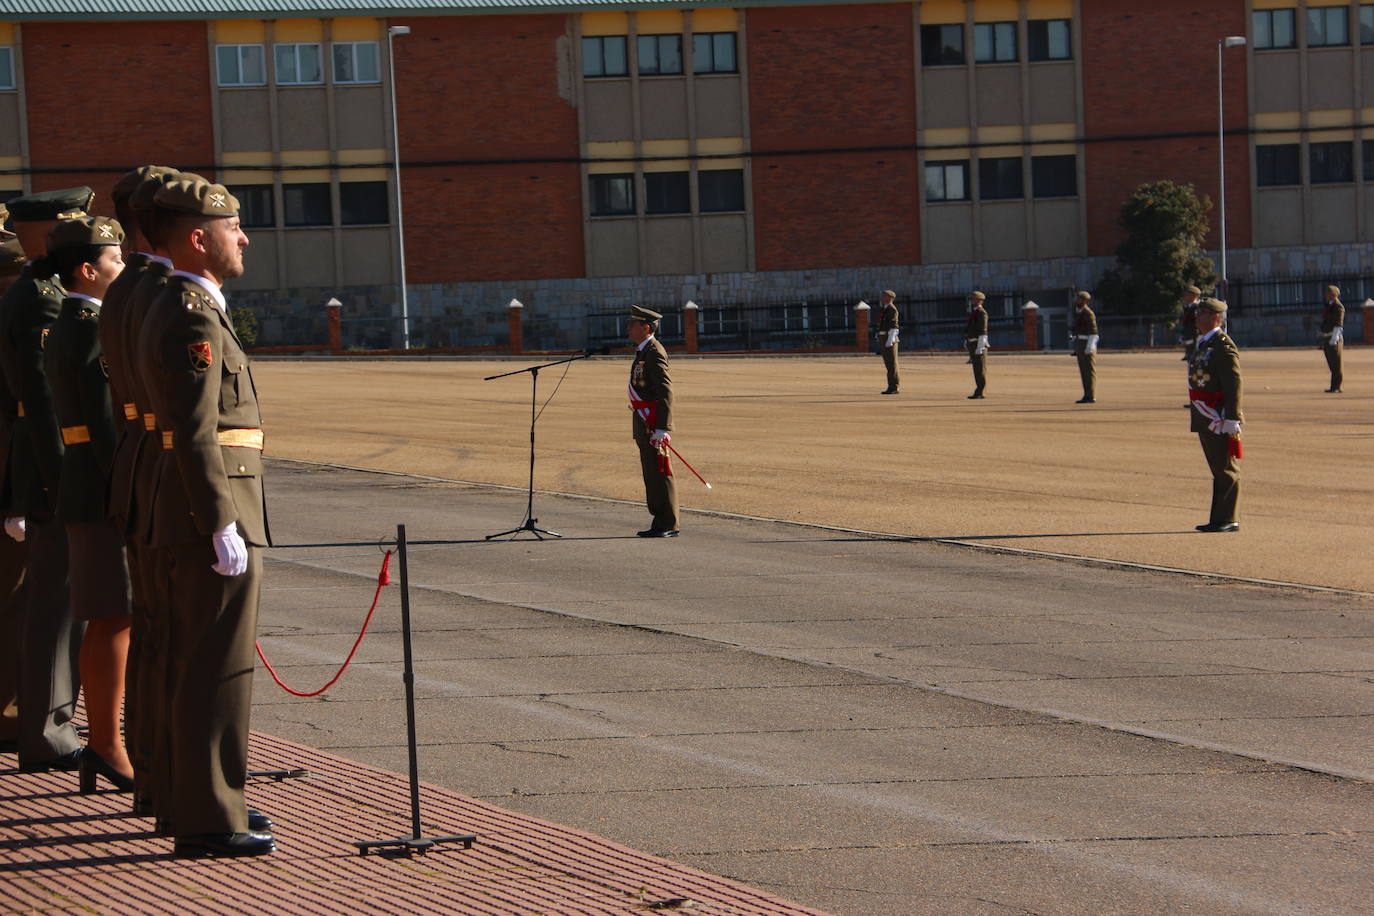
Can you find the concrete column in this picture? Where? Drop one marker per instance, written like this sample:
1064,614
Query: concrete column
517,342
861,326
334,314
690,311
1030,323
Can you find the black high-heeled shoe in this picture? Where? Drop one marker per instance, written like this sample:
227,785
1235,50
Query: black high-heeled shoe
92,764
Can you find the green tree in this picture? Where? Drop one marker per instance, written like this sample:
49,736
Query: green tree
245,325
1165,226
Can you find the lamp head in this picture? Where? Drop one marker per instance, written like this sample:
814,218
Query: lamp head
405,30
1234,41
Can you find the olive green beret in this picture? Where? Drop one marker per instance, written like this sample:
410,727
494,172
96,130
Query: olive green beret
124,187
888,292
1334,290
142,196
1192,289
196,196
88,230
11,258
977,295
1084,295
640,313
1212,305
48,205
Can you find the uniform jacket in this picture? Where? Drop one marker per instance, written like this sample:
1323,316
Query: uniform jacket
649,377
112,331
137,455
1333,316
196,375
975,327
1084,326
27,313
887,318
1216,367
81,395
1185,321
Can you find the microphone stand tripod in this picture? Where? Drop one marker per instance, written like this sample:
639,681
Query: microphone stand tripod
530,523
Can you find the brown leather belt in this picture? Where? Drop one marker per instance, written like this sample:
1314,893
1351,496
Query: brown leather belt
230,438
75,435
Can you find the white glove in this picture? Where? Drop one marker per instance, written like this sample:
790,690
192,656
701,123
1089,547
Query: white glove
14,527
1336,335
891,338
1225,427
982,345
1092,344
230,551
659,438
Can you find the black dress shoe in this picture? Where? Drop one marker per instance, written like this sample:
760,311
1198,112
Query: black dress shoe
975,396
9,746
224,844
658,533
1086,401
259,822
65,762
889,391
92,765
1333,391
1212,529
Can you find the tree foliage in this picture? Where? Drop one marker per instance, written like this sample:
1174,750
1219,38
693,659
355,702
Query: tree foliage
245,325
1165,227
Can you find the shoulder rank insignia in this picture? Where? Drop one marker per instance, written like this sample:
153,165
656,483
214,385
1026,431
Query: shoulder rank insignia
200,354
87,315
193,300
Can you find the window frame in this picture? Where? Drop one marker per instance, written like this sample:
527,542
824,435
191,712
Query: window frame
657,43
596,194
287,190
1367,163
1000,164
336,46
683,186
1364,23
998,32
599,41
944,59
1042,176
943,165
702,192
374,186
1267,16
246,194
1273,149
1033,52
8,78
1327,153
1322,15
294,47
712,39
239,50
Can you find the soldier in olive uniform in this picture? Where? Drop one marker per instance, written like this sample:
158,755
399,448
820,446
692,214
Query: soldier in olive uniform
86,254
888,331
1085,345
1214,390
651,401
11,551
976,342
209,519
1332,336
49,639
1187,321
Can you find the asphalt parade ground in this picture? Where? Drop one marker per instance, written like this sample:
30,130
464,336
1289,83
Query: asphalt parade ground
912,654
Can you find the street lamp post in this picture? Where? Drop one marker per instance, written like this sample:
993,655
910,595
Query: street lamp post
1230,42
391,33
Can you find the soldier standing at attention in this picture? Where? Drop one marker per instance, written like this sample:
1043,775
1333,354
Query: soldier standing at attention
1332,335
976,342
1187,321
86,254
887,338
1085,345
49,639
651,403
209,520
1215,392
11,551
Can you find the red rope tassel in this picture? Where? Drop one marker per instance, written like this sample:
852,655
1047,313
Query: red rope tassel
665,463
1233,447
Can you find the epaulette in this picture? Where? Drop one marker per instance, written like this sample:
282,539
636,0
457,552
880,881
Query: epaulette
87,315
194,300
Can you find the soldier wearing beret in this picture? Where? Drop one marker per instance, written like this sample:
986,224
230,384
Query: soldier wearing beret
1085,345
209,520
48,636
1187,321
87,257
1214,390
1332,336
888,325
976,342
651,403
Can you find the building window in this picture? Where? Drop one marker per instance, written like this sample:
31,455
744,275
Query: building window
240,65
1277,165
612,195
1328,26
720,190
604,55
942,45
356,62
947,181
298,65
6,67
1366,24
1000,179
1368,168
660,55
307,205
994,42
1330,163
1054,176
667,192
1049,39
714,52
1275,29
363,203
255,206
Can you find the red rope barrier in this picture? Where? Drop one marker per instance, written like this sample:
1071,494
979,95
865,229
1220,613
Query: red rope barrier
383,580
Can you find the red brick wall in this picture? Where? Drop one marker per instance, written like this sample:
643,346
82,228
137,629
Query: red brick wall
486,88
1174,43
828,77
143,96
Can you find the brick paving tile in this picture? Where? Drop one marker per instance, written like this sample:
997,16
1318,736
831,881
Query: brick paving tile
62,852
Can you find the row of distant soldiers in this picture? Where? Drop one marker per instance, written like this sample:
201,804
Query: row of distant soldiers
133,478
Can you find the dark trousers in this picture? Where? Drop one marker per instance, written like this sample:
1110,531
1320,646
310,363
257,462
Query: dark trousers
980,369
1087,373
1225,478
660,491
1333,362
213,621
146,682
890,364
49,644
12,555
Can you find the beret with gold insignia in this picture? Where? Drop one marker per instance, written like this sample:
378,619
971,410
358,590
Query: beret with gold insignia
1084,295
48,205
141,197
1334,290
198,197
129,181
1211,305
977,294
88,230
